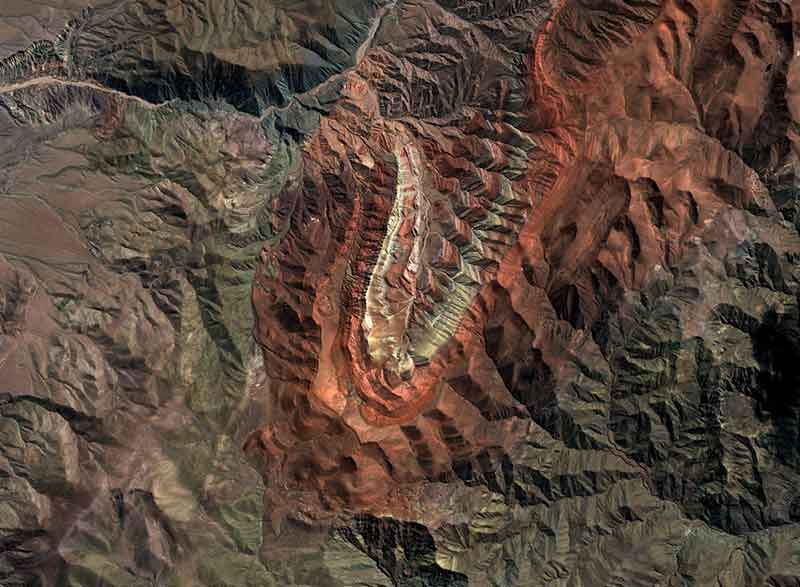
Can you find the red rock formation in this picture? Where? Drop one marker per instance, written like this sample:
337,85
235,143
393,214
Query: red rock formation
440,225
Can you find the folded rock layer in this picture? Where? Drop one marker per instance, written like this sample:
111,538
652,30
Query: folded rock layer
538,240
413,292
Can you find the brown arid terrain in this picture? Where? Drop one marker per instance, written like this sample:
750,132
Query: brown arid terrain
415,293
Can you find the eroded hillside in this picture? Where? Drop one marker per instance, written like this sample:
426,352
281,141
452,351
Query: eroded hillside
425,292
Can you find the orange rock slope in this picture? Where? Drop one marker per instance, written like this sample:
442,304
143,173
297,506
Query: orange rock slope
484,191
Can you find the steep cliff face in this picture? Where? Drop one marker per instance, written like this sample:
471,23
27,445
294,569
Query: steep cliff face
401,293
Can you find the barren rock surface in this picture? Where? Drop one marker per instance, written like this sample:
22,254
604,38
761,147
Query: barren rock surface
413,292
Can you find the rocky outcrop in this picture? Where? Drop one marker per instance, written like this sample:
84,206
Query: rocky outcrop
401,293
545,253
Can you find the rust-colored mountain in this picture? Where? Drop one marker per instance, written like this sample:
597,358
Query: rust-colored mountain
415,293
